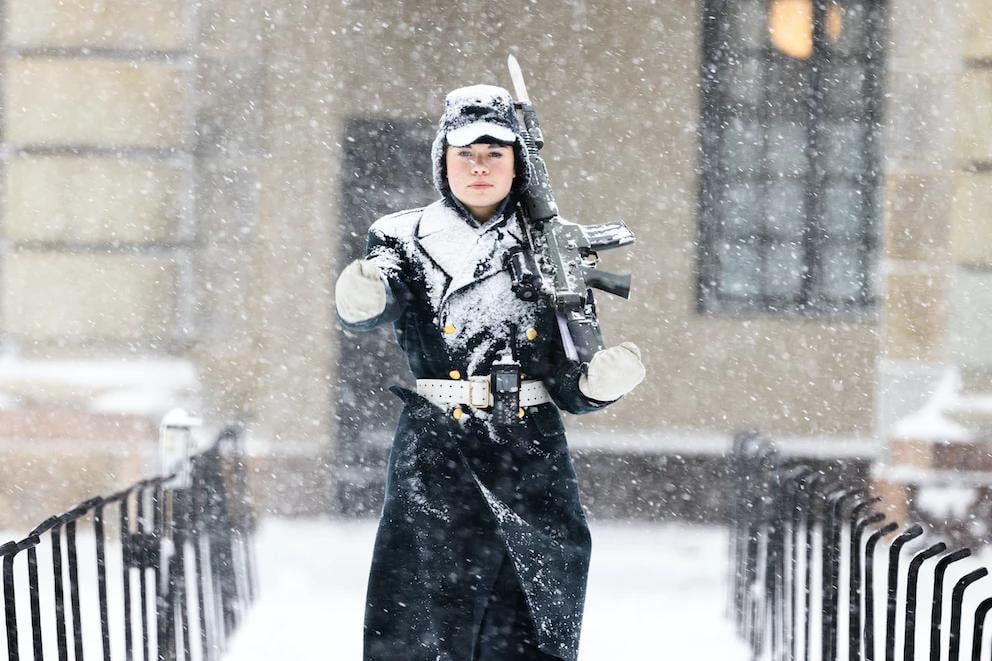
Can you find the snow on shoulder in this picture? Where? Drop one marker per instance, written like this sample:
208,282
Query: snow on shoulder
390,236
398,224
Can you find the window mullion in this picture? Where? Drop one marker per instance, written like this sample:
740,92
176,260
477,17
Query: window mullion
871,174
815,175
764,180
712,135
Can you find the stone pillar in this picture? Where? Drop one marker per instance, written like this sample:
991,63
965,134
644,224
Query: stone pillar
971,304
228,151
942,442
267,152
918,161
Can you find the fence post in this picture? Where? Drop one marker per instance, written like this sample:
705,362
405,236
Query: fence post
976,639
810,503
912,581
892,586
176,446
831,589
854,635
792,512
192,509
938,598
784,512
957,600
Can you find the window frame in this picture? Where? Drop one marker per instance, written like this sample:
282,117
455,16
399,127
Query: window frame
717,108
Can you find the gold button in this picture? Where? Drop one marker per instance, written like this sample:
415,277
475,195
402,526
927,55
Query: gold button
531,333
520,412
455,374
457,413
448,329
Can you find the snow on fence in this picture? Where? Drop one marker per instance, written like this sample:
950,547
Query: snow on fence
163,570
819,575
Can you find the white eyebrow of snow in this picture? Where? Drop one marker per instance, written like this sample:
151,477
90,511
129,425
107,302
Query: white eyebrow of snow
476,95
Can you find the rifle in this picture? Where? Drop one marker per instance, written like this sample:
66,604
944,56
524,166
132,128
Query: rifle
559,261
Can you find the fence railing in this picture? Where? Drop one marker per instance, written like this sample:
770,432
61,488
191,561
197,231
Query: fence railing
162,570
819,574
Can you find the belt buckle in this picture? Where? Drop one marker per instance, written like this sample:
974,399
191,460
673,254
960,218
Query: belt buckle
473,401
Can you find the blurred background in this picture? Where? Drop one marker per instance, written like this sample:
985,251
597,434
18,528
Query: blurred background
810,183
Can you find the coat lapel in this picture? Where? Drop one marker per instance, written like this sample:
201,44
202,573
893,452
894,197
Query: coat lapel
465,253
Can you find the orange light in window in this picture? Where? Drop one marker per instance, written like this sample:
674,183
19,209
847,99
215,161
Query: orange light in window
790,26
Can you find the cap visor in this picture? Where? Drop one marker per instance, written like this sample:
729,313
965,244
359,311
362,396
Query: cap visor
468,134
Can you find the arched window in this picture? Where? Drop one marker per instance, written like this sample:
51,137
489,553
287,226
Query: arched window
790,163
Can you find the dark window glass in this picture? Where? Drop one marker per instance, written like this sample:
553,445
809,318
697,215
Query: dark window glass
789,155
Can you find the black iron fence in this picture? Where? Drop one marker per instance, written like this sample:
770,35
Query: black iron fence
819,574
163,570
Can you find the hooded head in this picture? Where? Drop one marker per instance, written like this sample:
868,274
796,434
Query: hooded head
480,113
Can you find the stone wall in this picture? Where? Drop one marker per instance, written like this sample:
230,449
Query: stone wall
937,359
98,223
96,160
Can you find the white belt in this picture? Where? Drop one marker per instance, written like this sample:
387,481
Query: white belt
476,392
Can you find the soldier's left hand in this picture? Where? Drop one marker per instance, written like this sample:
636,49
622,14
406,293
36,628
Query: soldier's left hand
613,372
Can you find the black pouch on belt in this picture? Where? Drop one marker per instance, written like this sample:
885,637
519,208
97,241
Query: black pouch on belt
505,384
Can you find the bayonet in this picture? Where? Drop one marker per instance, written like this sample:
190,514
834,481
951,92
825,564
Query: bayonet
517,76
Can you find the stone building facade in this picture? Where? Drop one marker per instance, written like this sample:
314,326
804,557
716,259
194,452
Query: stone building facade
183,180
935,391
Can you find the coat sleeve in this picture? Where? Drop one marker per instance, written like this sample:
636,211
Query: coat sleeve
386,252
563,380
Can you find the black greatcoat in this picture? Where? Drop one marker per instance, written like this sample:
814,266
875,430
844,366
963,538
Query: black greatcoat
461,494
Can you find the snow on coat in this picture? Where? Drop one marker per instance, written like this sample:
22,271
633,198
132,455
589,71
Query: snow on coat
461,494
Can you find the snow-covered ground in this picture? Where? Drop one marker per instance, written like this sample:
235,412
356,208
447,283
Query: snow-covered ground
656,591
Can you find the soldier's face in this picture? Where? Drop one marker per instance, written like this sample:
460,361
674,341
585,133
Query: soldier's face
480,176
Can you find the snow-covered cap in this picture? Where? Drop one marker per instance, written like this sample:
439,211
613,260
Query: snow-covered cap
471,113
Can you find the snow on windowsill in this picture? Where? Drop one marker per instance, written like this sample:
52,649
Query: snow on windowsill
933,422
701,443
145,387
931,477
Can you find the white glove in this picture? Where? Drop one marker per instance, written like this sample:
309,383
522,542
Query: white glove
360,293
612,372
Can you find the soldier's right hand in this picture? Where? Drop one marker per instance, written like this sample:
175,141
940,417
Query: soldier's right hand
360,293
